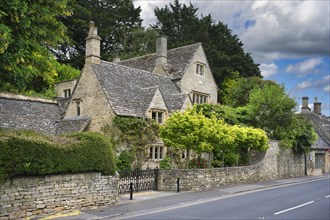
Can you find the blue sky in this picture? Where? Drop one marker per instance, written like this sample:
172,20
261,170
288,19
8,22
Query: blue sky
288,38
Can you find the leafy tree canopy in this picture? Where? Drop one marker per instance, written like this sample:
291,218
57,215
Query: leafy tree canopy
191,130
271,109
300,135
27,30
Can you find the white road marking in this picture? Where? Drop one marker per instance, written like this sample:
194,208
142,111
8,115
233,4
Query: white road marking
327,196
296,207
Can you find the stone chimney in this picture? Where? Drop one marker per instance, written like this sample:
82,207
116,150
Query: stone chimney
317,106
161,55
305,107
161,49
93,43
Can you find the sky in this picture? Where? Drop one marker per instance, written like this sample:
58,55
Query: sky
288,38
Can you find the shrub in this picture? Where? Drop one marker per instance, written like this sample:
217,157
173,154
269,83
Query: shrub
198,163
26,153
166,163
124,161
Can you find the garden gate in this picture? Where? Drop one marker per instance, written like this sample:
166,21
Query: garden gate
141,180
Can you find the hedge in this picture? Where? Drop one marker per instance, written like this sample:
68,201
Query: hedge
26,153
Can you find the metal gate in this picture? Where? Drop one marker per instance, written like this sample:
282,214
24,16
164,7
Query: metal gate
141,180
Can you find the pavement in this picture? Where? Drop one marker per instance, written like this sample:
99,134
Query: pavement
153,200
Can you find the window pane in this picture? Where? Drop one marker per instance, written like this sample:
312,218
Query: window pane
197,67
78,108
160,152
153,116
150,152
156,152
160,117
201,70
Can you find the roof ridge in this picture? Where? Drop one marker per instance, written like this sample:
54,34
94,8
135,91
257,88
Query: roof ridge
150,54
132,68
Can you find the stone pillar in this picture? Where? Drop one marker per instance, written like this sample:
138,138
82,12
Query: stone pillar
305,107
317,106
93,43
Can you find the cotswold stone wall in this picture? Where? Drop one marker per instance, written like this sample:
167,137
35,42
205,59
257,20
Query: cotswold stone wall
277,163
38,196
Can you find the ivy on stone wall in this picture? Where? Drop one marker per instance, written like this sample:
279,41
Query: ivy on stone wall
134,135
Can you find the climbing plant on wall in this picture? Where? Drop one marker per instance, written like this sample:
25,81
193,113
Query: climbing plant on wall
134,135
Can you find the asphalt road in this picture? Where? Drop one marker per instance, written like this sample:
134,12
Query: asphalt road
309,200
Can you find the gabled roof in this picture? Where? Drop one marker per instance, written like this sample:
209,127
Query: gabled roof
130,91
178,60
321,125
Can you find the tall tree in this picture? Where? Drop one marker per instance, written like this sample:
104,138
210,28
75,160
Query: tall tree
116,20
27,30
271,109
223,49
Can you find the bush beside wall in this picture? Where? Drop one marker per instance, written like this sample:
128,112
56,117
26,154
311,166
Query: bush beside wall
26,153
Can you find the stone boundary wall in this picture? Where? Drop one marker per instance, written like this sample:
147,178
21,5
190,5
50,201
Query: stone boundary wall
28,197
277,163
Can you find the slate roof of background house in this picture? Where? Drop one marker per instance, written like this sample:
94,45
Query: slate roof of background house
130,91
321,125
68,125
178,60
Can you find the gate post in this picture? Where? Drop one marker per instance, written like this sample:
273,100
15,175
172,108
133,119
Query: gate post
156,178
131,191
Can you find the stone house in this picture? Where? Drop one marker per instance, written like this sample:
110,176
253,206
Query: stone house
151,86
318,161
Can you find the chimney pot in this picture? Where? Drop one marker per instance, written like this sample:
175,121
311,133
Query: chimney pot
305,107
317,106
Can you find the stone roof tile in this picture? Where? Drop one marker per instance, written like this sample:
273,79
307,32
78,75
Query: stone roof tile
178,60
130,91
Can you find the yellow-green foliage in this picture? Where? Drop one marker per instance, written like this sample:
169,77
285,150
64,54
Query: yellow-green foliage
25,153
192,130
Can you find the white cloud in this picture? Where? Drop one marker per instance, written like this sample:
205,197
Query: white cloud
270,30
268,70
322,84
288,29
304,85
304,67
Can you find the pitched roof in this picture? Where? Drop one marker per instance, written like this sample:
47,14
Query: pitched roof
321,125
178,60
130,91
75,124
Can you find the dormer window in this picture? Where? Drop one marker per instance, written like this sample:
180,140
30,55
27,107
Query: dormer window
157,116
200,69
67,93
